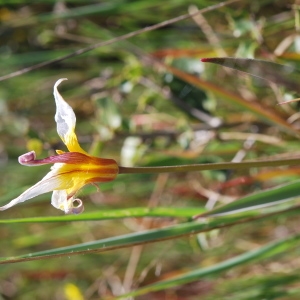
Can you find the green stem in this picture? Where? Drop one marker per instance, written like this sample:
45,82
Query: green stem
212,166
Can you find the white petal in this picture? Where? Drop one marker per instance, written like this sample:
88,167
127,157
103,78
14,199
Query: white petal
60,201
65,116
47,184
76,210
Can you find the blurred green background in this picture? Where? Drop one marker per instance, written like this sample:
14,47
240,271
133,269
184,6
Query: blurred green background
135,102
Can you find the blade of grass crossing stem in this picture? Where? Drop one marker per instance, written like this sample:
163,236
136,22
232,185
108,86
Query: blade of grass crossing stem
264,252
148,236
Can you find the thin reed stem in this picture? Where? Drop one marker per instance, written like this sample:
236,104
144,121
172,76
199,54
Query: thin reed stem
211,166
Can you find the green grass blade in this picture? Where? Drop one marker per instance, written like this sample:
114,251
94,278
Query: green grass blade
263,198
108,214
148,236
264,252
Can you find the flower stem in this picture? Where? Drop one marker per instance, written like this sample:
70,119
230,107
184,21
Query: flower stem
211,166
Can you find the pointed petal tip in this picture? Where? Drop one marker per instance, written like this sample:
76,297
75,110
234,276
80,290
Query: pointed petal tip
57,83
9,205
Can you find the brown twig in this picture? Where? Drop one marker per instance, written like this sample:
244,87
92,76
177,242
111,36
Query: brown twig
145,224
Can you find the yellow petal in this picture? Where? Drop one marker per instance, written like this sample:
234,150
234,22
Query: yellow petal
83,169
72,292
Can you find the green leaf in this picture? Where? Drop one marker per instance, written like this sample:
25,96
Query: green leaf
260,199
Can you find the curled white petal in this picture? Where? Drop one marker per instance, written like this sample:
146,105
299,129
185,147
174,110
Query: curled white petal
47,184
65,117
79,208
60,201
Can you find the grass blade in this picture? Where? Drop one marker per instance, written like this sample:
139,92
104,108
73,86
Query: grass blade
148,236
263,198
135,212
264,252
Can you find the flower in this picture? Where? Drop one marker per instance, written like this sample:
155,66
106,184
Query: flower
71,170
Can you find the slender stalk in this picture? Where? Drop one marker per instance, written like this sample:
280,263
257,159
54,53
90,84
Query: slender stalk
212,166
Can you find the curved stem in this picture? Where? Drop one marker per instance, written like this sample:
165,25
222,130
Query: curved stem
211,166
